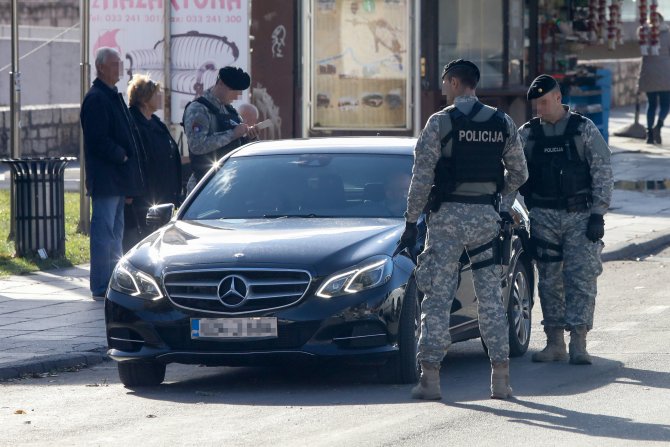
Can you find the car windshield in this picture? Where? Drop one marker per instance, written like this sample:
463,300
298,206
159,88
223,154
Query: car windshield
305,186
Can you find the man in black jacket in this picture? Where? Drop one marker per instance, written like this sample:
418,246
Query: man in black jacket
113,171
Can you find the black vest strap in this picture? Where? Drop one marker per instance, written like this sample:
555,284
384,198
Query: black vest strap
541,243
456,114
207,103
481,249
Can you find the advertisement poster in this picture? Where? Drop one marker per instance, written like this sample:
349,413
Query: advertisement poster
205,36
361,64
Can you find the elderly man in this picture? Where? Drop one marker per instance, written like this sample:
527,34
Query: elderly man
248,113
113,168
212,125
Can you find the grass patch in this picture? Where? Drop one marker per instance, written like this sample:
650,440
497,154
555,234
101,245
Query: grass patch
76,245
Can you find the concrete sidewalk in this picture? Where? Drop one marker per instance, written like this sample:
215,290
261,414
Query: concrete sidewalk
48,321
638,221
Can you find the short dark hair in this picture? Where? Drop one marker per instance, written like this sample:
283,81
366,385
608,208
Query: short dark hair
463,70
466,74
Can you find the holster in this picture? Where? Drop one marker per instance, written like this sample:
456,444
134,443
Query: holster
503,254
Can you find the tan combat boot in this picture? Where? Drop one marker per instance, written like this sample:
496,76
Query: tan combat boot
555,349
578,354
500,387
428,387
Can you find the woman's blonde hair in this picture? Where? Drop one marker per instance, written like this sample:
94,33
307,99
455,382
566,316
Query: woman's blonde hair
140,89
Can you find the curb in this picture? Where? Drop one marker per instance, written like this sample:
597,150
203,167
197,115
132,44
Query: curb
630,250
47,363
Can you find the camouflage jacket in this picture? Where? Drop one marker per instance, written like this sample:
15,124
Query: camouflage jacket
428,151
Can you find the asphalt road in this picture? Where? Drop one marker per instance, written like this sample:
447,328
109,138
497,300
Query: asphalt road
621,400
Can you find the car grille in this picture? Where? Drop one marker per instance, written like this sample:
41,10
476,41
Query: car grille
236,291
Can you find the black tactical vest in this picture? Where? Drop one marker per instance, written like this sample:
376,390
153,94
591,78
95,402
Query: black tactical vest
201,163
476,155
557,174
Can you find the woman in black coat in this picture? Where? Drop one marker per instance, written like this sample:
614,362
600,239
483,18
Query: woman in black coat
161,158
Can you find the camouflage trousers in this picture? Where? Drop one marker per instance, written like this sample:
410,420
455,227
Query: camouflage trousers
567,288
454,227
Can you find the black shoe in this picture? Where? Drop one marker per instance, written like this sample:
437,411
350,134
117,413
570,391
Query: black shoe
650,136
657,135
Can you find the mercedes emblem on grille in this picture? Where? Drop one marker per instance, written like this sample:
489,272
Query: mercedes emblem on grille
233,290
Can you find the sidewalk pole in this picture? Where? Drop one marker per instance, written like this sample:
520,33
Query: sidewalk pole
15,112
167,68
84,225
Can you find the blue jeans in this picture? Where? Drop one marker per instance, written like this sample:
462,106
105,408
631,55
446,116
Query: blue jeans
106,238
660,100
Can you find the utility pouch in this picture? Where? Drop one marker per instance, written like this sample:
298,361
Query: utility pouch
578,203
568,183
434,200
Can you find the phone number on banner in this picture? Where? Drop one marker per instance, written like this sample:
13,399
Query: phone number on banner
207,19
127,18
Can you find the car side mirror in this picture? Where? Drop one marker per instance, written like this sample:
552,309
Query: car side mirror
159,215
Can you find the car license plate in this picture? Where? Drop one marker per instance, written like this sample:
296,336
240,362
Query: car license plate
252,327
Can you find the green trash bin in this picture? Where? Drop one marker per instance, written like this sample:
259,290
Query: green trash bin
39,187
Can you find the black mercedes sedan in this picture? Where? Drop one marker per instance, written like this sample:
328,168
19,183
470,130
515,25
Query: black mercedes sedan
286,251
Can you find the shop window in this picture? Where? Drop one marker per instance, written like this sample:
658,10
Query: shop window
473,29
360,64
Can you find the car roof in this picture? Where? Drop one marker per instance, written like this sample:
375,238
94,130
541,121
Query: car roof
330,145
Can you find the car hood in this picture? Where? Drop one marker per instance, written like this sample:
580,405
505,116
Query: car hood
320,245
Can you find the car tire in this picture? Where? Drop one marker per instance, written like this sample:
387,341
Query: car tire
137,374
519,306
403,368
518,311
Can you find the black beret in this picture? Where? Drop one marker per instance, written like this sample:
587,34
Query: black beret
460,62
542,85
235,78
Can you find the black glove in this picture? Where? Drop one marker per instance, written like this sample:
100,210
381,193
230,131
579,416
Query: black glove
408,238
595,229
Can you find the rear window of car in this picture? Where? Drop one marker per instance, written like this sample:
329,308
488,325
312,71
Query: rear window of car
305,185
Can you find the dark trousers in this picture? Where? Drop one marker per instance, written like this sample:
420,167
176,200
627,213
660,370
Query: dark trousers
655,100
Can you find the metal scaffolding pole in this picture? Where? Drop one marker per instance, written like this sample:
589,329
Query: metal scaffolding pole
15,111
84,225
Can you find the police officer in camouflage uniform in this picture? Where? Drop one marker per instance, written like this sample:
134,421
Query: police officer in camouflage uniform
212,125
468,154
568,192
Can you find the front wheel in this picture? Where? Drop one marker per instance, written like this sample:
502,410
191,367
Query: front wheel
519,310
403,367
135,374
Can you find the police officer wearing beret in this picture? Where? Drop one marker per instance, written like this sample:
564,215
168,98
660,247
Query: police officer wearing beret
212,125
468,154
568,192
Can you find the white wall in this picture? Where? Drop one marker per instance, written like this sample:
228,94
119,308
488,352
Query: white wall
48,76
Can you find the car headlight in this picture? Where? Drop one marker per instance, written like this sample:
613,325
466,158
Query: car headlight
131,281
371,273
